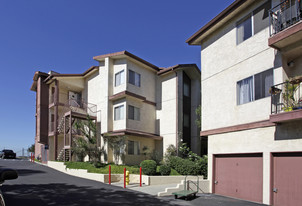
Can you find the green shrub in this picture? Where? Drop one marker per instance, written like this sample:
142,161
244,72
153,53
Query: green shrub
203,166
173,161
174,172
164,170
184,166
148,167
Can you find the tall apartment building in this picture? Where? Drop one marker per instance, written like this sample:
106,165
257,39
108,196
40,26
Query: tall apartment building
125,95
251,63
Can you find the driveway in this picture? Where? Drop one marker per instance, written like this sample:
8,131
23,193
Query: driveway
39,185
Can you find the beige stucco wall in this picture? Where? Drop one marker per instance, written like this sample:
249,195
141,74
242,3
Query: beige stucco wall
230,64
166,109
147,116
148,81
119,124
143,142
262,140
119,65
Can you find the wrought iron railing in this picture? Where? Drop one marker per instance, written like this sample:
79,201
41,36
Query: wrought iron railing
284,15
286,96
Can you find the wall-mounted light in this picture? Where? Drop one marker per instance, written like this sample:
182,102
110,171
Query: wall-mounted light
290,64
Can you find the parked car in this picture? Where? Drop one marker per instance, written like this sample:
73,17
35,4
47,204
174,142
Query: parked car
6,153
6,174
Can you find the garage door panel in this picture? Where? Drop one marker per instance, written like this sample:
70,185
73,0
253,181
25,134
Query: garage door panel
239,176
287,179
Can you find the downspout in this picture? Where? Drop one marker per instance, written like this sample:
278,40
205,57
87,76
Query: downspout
177,138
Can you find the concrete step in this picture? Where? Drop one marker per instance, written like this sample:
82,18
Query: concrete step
168,191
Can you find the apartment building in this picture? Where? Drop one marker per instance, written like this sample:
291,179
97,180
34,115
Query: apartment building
125,96
251,63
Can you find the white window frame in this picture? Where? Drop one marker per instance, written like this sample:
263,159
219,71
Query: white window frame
119,76
254,87
119,112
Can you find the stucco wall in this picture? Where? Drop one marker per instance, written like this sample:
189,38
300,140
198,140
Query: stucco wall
230,64
143,142
147,116
148,81
166,109
119,65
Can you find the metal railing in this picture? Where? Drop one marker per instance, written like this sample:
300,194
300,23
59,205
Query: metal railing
284,15
286,97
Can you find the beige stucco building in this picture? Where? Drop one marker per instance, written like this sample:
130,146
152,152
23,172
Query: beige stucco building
251,114
124,95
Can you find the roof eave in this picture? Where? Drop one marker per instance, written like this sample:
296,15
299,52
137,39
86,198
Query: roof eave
193,40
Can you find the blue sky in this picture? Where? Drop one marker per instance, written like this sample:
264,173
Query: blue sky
64,35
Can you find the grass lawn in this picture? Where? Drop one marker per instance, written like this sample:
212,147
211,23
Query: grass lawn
104,169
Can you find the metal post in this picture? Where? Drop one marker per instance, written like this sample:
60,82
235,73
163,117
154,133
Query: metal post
109,174
140,176
125,177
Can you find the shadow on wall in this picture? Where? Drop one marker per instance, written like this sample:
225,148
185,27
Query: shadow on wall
289,131
71,195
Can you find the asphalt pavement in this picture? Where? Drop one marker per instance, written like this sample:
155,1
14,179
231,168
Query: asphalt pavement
40,185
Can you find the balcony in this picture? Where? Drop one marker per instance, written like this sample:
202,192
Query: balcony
286,26
286,101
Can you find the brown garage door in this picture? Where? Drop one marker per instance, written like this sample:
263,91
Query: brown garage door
287,179
239,176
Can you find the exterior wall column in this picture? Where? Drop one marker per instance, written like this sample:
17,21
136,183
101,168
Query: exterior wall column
56,111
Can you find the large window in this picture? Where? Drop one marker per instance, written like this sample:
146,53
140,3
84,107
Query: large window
133,113
120,78
134,78
133,148
119,112
254,87
254,22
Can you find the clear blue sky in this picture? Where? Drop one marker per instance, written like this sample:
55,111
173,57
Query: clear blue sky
64,35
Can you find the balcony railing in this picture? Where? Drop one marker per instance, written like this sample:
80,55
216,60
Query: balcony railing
91,109
284,15
286,96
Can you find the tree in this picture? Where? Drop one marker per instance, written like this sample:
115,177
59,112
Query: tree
31,148
87,145
198,119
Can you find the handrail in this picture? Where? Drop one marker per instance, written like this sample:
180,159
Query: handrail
284,15
286,96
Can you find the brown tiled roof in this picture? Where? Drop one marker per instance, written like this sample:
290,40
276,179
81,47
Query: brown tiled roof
72,75
100,57
213,22
165,70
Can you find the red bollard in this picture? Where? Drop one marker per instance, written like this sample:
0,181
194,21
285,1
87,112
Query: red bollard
31,157
125,177
109,174
140,176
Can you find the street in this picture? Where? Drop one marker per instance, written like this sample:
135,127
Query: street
39,185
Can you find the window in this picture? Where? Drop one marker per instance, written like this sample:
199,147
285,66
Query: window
186,89
244,30
134,78
186,120
133,113
120,78
254,87
119,112
254,22
133,148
